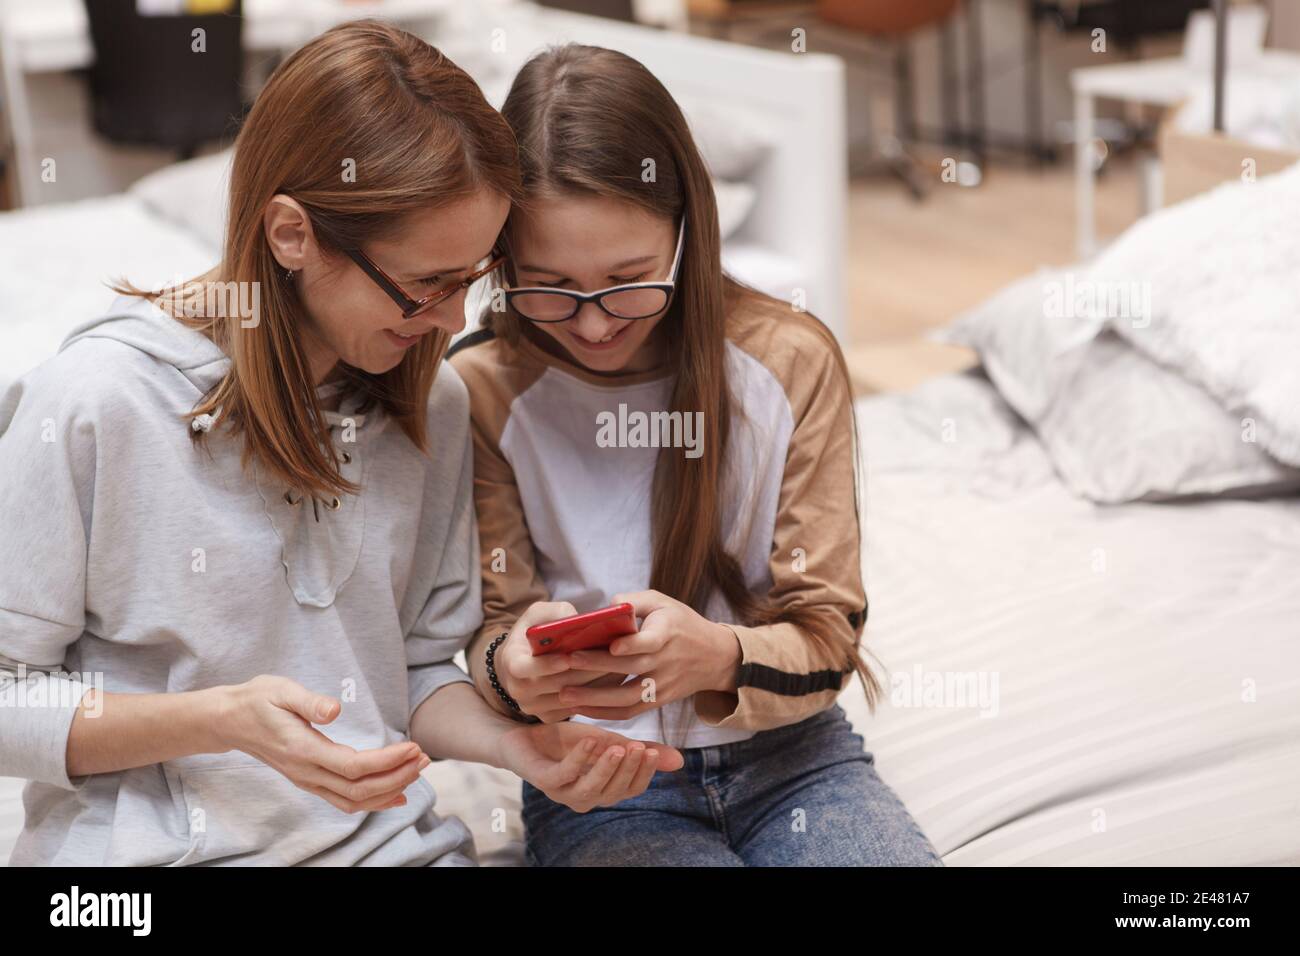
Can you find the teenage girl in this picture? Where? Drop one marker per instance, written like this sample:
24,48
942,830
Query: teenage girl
729,522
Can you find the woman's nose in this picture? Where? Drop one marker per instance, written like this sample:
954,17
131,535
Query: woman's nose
451,309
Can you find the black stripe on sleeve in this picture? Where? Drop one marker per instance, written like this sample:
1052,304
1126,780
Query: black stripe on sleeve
762,677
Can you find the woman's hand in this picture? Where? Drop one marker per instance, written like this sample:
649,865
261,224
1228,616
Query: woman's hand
271,718
675,654
535,682
581,766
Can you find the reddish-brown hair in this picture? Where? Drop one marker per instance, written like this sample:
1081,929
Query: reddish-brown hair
419,135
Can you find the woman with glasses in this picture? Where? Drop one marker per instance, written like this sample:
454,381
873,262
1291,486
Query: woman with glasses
738,549
225,526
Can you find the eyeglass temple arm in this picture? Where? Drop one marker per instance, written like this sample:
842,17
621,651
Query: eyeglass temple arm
381,280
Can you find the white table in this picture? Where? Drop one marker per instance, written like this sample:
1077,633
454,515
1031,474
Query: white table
42,36
1160,82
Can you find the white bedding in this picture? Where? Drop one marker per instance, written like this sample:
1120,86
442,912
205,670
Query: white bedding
1126,639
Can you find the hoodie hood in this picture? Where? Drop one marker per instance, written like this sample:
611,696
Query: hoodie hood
139,323
321,540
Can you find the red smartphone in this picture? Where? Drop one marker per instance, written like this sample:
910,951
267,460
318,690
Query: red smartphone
582,631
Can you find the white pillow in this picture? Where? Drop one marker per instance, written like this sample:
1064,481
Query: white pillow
1222,274
735,200
1116,425
732,139
191,194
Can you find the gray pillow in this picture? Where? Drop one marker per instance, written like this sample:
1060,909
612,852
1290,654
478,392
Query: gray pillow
192,194
1221,273
1116,425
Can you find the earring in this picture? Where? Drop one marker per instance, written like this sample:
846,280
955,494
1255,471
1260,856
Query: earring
288,275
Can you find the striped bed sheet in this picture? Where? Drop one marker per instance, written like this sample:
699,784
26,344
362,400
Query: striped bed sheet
1141,662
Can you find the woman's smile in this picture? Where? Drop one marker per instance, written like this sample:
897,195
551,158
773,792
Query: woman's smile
404,341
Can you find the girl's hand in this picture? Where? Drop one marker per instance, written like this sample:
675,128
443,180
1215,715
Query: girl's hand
271,718
676,653
535,682
584,767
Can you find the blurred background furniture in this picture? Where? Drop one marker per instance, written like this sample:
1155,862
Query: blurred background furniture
1163,82
894,21
150,86
1194,163
54,36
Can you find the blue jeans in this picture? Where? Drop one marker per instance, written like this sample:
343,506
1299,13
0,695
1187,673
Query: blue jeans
803,795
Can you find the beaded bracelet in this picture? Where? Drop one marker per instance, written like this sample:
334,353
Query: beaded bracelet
496,683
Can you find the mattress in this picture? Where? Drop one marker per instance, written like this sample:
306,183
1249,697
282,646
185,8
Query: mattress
11,815
1140,662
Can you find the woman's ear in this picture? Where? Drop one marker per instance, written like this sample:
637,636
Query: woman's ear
288,232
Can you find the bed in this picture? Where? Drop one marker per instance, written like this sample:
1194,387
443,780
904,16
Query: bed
1082,562
1147,655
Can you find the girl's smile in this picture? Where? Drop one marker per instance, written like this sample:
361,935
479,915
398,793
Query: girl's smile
612,341
587,243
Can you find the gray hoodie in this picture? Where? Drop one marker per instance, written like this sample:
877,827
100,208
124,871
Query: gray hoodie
134,560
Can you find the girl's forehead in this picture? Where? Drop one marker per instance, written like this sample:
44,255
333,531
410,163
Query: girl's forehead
587,231
549,214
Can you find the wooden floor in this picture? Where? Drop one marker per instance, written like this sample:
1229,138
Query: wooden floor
914,266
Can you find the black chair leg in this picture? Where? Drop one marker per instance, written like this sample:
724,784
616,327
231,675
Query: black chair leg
901,163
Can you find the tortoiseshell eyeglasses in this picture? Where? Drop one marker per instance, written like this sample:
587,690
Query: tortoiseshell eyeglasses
412,307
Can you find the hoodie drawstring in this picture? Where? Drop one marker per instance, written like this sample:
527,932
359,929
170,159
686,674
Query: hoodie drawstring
335,420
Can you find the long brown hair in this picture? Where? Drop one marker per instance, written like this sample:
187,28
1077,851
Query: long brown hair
418,134
587,120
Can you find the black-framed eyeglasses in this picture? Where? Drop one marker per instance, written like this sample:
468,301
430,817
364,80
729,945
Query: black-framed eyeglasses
635,300
413,307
